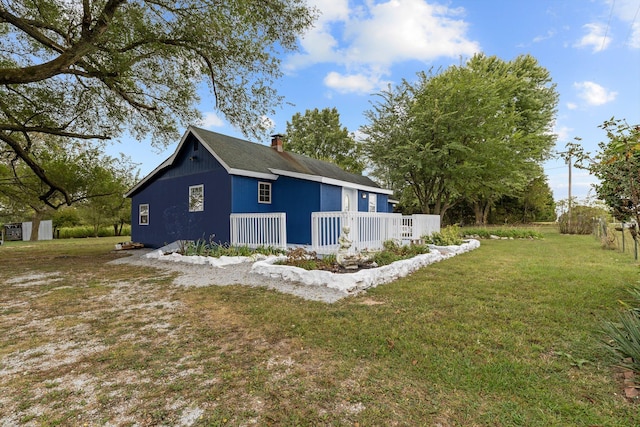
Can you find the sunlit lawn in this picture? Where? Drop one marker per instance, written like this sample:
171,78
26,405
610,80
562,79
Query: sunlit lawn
507,335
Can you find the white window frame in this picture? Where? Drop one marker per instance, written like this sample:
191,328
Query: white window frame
143,212
264,192
196,201
373,202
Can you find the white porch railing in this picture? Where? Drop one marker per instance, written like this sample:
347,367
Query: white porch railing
367,230
259,229
416,226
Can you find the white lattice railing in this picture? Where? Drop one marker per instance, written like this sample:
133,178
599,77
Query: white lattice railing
416,226
368,230
259,229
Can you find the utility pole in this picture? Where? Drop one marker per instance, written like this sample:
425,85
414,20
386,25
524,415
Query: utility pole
572,147
569,216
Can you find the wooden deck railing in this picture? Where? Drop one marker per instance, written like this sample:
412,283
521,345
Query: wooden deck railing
366,230
259,229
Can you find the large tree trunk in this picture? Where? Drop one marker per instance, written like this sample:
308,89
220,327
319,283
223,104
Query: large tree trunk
35,226
117,228
481,212
477,212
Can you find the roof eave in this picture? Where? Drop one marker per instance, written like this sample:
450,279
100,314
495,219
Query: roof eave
331,181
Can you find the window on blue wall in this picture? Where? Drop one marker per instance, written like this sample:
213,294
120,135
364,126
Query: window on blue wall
143,214
196,198
264,192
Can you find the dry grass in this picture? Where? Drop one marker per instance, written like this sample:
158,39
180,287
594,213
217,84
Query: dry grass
488,338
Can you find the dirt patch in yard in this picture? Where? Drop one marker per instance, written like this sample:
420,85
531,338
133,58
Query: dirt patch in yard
86,346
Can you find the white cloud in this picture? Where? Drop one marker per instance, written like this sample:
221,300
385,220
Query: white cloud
547,36
563,133
400,30
593,93
352,83
211,120
572,105
367,40
596,37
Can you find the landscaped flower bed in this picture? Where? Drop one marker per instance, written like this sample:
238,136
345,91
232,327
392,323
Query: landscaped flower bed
392,251
352,283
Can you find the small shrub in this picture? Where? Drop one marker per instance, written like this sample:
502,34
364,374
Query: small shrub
582,220
329,259
394,251
515,233
301,258
624,335
216,249
80,232
624,338
447,236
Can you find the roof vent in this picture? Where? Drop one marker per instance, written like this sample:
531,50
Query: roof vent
276,143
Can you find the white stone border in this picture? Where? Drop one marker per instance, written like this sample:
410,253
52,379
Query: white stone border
163,254
354,282
348,283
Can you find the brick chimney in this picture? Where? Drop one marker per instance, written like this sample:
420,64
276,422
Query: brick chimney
276,143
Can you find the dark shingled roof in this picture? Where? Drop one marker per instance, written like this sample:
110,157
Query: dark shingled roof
249,157
244,155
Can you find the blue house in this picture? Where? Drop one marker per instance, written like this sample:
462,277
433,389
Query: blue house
210,176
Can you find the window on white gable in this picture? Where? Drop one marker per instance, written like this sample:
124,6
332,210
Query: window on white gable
196,198
264,192
143,214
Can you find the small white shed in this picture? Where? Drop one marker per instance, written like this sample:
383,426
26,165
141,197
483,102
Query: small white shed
45,231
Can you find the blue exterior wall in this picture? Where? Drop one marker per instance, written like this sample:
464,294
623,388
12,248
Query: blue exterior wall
168,197
363,201
297,198
330,198
244,195
382,204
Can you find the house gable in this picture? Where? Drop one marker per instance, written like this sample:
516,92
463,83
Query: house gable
165,197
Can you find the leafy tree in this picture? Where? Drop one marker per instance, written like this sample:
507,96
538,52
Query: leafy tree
319,134
535,203
617,166
110,208
66,217
95,68
83,169
474,132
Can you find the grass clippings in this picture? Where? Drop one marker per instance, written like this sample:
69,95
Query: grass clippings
507,335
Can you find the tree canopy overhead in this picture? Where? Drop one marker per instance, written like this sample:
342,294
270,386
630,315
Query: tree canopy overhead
319,134
94,68
474,132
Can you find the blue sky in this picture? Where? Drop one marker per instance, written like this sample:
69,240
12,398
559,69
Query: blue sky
357,48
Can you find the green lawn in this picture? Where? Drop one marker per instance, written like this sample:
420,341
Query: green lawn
506,335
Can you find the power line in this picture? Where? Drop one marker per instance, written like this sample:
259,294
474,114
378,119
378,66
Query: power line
632,24
606,31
